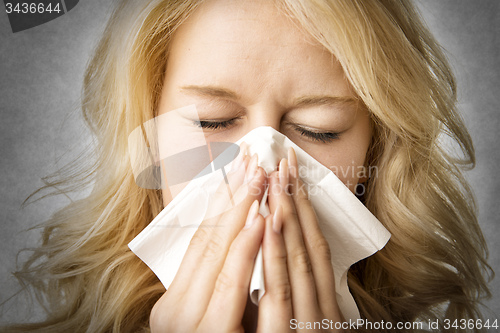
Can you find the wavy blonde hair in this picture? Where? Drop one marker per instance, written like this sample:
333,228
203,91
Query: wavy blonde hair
434,266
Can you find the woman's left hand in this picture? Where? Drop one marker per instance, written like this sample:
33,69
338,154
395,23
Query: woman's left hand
299,277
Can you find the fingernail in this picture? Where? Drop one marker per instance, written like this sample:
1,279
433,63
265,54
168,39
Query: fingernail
278,219
252,168
292,163
253,213
283,172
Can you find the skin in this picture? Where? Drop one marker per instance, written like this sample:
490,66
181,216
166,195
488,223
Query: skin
244,64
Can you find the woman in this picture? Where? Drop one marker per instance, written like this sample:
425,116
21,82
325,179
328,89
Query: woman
354,83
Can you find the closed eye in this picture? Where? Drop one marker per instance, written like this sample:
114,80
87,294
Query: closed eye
214,125
316,136
312,135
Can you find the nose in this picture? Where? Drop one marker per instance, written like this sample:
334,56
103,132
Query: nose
264,116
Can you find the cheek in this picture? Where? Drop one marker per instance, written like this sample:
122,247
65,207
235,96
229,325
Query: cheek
347,164
346,157
349,169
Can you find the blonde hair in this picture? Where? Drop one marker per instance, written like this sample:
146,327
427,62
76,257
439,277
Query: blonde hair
89,280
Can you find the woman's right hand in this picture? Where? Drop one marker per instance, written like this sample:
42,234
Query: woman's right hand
209,292
299,277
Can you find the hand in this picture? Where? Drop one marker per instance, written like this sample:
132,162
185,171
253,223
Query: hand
299,277
210,290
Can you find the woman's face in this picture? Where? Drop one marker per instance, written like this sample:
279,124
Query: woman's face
244,64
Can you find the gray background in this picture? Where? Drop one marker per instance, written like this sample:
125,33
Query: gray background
41,71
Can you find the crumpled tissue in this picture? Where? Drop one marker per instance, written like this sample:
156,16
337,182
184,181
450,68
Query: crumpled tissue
351,230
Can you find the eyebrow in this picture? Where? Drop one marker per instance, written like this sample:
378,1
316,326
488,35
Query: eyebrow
306,101
303,101
211,91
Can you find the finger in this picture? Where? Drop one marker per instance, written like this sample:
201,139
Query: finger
315,243
236,272
275,307
211,260
227,305
304,298
202,235
218,202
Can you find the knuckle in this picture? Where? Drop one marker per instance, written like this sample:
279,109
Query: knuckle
290,213
280,259
300,260
321,248
282,292
224,283
302,199
214,247
200,238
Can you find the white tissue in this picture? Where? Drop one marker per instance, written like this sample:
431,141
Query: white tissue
352,232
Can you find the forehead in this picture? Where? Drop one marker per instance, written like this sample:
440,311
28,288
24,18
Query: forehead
235,25
230,18
225,40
